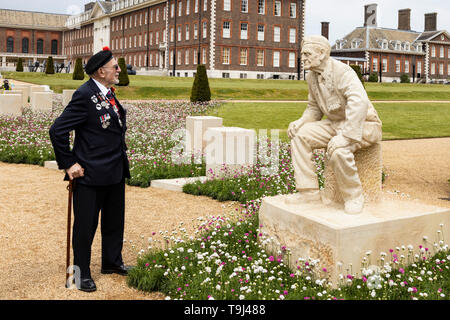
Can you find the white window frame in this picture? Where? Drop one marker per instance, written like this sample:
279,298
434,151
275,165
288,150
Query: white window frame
291,59
277,9
397,66
257,58
261,34
226,5
433,68
276,59
406,66
441,69
244,6
441,52
180,8
244,31
187,7
187,32
419,67
261,6
293,10
292,35
245,56
226,34
205,29
226,55
276,34
186,57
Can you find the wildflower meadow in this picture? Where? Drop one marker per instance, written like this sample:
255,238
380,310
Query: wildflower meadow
228,257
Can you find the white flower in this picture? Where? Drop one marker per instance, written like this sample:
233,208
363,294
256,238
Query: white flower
241,297
218,287
167,298
442,295
211,298
373,293
281,297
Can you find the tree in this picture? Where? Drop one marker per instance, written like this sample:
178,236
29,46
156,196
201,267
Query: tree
50,67
19,67
373,77
404,78
124,80
357,69
78,72
200,89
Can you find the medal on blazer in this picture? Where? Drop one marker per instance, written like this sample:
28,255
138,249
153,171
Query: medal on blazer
94,99
105,120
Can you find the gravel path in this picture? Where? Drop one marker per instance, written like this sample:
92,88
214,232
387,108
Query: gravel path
33,213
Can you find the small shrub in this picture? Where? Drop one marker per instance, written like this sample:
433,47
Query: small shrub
124,80
19,67
373,77
50,67
200,89
78,72
404,78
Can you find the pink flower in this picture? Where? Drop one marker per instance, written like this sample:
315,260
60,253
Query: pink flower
401,270
364,279
324,269
285,292
292,275
271,258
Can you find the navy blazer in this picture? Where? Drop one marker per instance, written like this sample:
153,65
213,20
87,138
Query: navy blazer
100,150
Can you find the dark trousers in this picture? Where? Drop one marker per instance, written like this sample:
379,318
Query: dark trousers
88,201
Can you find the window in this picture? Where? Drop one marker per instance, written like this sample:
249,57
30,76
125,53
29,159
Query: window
293,10
187,7
186,56
242,75
171,58
196,6
40,46
157,15
375,64
291,59
292,32
277,9
151,17
25,43
172,10
225,75
205,5
448,69
10,44
244,5
433,51
276,34
433,68
171,34
157,37
195,31
244,29
54,47
180,8
259,76
406,66
226,29
204,56
226,56
179,57
384,66
397,66
195,56
243,56
187,32
179,33
276,58
140,40
441,69
151,38
441,52
419,66
260,32
260,58
205,30
226,5
261,6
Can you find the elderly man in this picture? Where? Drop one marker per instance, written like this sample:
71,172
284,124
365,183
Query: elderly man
351,123
98,164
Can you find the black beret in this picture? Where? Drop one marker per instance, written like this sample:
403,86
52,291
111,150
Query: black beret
98,60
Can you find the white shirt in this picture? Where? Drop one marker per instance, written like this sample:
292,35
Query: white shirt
102,88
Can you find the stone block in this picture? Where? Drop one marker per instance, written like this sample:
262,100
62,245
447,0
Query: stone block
41,101
26,89
51,165
34,89
21,92
67,96
196,127
369,164
229,150
317,231
175,184
11,104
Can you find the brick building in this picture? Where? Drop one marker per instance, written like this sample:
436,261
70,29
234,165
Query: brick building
32,36
424,56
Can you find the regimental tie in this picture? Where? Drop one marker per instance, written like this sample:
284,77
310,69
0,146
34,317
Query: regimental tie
113,103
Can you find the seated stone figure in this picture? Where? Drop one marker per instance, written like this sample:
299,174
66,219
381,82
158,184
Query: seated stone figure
351,123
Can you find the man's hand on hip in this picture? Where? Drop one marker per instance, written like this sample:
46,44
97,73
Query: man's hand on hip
337,142
75,171
293,128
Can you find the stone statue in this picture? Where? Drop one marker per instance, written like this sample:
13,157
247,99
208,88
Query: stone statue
351,123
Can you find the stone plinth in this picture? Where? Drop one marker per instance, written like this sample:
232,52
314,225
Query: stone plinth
51,165
229,150
175,184
325,232
196,127
21,92
11,104
67,96
26,89
41,101
369,164
34,89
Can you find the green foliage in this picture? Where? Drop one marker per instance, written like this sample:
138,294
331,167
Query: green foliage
357,69
373,77
78,72
50,67
19,67
200,89
124,80
404,78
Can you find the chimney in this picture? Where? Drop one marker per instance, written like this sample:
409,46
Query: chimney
325,29
430,21
88,6
404,19
370,15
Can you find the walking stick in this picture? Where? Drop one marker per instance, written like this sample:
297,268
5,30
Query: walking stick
69,216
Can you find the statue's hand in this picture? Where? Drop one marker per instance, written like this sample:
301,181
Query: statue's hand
293,128
337,142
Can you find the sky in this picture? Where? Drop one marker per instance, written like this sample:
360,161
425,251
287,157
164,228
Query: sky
343,18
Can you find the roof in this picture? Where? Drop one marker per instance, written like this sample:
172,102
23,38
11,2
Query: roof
30,19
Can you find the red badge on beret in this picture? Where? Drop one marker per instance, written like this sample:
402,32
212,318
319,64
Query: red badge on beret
106,49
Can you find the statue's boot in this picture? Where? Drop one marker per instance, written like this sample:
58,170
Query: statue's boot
303,197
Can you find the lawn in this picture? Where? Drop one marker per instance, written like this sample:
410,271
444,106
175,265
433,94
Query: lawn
400,120
151,87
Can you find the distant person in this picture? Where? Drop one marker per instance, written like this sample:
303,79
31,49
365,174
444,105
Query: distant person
98,165
6,85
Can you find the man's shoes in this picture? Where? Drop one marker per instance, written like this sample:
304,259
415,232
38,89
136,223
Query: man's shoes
122,270
303,196
87,285
354,206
